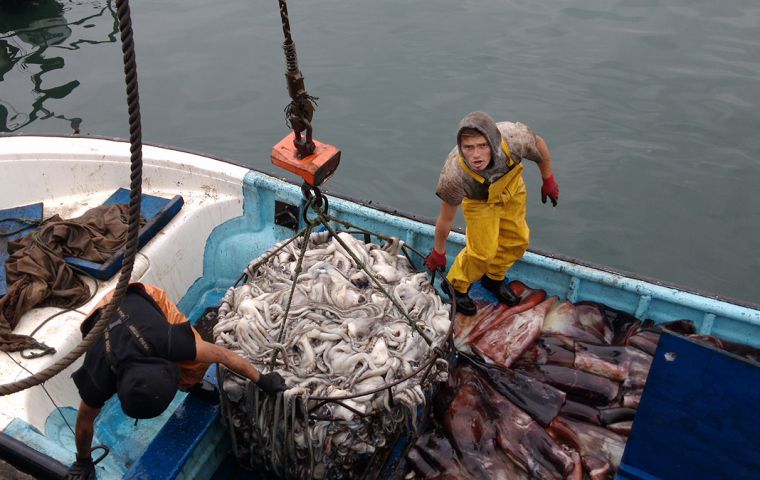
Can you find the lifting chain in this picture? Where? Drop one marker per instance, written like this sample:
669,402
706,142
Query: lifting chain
314,201
299,112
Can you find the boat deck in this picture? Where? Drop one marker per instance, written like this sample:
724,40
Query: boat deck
228,219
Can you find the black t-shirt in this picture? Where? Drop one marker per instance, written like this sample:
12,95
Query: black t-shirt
96,380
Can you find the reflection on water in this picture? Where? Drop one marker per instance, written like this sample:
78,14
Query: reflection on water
32,34
650,107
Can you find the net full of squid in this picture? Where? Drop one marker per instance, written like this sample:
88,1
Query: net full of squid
347,332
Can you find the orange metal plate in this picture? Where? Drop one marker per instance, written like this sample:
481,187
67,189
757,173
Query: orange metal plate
315,168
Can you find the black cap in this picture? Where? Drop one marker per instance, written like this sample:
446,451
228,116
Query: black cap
146,386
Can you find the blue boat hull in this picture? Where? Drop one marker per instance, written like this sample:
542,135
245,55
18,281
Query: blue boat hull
235,243
192,442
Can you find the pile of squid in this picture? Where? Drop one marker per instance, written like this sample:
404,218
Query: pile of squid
546,389
342,336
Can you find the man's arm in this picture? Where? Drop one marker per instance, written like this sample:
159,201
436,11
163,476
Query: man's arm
549,187
85,428
270,383
210,353
545,163
443,226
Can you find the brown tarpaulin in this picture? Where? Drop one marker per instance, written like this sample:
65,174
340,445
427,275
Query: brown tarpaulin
38,276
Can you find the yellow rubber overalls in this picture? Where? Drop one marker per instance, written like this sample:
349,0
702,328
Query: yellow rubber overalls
497,232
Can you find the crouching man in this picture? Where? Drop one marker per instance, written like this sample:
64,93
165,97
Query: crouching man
148,351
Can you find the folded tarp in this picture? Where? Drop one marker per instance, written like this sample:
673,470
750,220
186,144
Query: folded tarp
37,274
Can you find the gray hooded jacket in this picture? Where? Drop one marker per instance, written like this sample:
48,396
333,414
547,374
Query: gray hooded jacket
454,184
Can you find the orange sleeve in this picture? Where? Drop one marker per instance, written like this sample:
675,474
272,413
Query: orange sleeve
191,372
169,309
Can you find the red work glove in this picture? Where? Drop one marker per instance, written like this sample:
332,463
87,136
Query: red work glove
550,189
435,260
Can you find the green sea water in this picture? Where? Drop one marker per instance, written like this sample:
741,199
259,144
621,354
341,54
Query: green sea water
651,108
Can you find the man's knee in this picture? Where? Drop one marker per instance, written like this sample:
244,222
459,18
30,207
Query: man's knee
521,248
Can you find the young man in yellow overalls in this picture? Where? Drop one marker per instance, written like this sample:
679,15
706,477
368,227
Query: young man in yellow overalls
484,175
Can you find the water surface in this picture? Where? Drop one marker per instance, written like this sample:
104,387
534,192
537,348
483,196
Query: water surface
651,108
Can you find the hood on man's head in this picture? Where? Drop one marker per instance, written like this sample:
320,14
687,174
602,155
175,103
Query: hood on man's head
483,123
146,386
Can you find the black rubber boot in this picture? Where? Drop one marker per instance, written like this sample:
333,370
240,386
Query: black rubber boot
501,290
465,305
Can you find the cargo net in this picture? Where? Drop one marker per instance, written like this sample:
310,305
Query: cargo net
360,338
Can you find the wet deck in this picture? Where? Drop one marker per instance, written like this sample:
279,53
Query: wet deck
9,472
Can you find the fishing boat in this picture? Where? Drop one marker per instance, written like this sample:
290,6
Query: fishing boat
206,219
210,218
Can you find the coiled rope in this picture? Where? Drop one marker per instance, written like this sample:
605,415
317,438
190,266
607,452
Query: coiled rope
135,194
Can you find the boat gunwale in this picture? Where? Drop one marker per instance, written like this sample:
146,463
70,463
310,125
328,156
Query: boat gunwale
411,216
